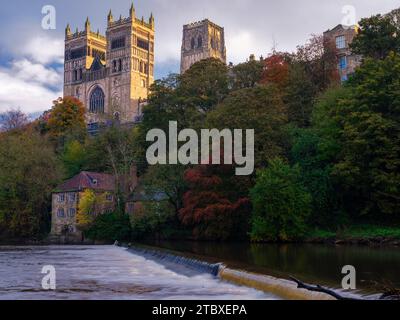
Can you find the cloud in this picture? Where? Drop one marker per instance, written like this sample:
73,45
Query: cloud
244,43
26,70
24,86
44,49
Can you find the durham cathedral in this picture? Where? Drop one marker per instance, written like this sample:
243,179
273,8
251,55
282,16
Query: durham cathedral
111,75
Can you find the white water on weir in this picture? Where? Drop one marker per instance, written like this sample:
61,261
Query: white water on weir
106,272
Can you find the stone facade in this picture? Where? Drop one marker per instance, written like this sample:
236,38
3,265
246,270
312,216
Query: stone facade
111,74
202,40
340,38
66,198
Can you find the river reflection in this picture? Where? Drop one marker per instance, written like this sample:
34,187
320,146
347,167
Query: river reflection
320,264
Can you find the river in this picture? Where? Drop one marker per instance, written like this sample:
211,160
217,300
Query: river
313,263
106,272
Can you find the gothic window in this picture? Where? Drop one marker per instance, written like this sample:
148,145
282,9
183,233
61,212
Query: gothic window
61,197
141,66
115,66
75,75
144,83
97,101
80,74
143,44
78,53
118,43
199,42
119,65
212,43
193,44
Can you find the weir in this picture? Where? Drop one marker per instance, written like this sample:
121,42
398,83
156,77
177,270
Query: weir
282,288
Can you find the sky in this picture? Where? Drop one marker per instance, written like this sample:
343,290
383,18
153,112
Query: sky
31,58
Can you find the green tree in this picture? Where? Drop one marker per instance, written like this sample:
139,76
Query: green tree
246,74
110,227
29,171
74,158
260,108
205,84
281,204
168,179
369,119
377,37
299,95
113,151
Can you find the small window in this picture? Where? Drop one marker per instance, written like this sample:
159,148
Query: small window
109,197
119,65
72,197
114,66
61,197
71,229
343,63
341,42
94,181
143,83
199,42
71,212
60,213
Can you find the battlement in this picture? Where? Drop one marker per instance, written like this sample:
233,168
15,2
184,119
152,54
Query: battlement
80,34
201,23
111,23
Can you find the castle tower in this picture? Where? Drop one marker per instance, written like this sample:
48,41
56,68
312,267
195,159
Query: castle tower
111,74
202,40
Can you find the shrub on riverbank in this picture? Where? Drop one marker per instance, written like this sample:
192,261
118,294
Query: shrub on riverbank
281,204
110,227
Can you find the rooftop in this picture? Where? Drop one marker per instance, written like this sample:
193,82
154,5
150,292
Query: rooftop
88,180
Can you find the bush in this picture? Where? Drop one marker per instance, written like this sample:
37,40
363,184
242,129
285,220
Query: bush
110,227
281,204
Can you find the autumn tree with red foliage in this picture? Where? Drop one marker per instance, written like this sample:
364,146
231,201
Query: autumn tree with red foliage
276,70
216,205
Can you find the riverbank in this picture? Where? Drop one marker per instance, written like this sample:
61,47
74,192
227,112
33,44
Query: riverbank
367,235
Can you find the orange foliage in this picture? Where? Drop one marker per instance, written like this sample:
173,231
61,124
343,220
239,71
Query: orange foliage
66,113
276,70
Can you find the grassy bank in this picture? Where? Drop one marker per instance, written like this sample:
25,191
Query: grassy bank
363,232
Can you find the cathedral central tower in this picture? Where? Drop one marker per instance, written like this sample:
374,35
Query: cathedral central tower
202,40
111,74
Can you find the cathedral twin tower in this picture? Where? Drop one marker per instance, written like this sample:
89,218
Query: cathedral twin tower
111,75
